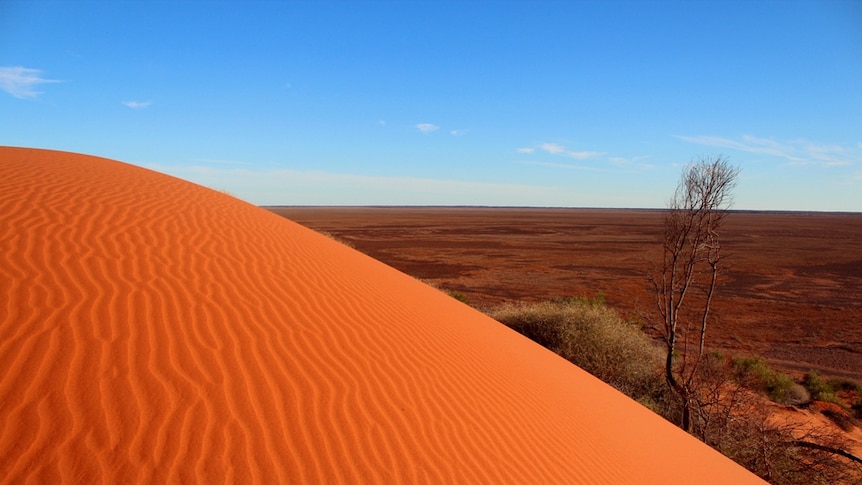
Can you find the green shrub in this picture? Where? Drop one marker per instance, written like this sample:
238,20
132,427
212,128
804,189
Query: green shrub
594,338
820,389
778,387
756,374
747,366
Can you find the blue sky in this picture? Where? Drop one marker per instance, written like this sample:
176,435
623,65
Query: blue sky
584,103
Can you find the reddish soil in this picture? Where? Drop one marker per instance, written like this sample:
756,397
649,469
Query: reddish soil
791,291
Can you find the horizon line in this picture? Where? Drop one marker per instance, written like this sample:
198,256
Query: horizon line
536,207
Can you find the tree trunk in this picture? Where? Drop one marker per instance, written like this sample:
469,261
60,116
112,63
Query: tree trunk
686,415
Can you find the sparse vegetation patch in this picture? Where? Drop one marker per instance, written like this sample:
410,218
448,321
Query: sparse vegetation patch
755,373
820,389
728,412
593,337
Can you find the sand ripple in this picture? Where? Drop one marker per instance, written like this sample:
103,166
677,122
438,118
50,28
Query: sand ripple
155,331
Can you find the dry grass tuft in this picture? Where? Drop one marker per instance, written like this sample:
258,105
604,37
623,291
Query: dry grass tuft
337,239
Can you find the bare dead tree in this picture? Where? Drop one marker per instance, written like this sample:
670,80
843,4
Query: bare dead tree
684,284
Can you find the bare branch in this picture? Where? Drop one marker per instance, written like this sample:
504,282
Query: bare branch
828,449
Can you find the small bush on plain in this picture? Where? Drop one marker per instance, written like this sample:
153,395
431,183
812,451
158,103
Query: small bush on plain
820,389
756,374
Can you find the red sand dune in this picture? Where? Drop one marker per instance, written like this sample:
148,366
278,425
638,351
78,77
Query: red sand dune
152,330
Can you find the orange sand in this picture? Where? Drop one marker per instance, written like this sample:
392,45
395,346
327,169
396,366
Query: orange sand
152,330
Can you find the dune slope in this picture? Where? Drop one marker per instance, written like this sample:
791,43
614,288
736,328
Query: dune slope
152,330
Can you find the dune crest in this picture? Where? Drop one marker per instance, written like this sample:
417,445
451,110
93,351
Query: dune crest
152,331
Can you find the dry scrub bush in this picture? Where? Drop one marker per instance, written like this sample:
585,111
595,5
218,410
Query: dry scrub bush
594,338
797,395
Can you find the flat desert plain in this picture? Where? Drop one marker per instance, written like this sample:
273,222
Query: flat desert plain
791,290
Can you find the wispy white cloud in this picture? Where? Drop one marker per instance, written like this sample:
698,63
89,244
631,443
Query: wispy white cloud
617,169
427,127
622,164
829,155
21,81
748,143
797,152
568,166
137,104
584,155
557,149
553,148
458,132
